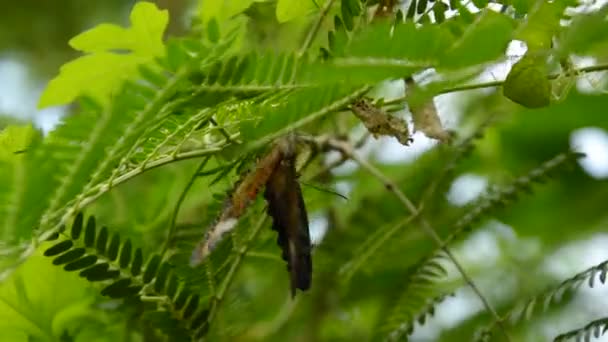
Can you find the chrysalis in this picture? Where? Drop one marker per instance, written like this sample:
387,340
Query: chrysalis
276,171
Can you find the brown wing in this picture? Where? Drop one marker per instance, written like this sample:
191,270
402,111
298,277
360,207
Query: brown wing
289,219
243,194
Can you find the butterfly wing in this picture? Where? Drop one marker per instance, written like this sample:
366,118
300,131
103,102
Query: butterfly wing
289,219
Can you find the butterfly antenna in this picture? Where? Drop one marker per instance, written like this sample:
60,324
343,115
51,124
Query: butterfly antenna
322,189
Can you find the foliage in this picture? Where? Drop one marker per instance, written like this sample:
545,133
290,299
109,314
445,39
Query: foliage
161,127
106,44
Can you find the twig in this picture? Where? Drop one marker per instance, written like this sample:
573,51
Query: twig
357,145
315,28
94,193
462,148
593,68
333,107
222,130
346,149
218,298
102,188
178,205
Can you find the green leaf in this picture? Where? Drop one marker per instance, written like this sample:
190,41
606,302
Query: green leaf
113,247
522,6
151,268
483,41
439,10
421,7
347,17
291,9
118,289
587,32
542,24
89,232
102,240
228,14
137,262
172,286
37,295
411,12
191,307
114,55
200,319
300,106
213,30
95,271
480,3
161,277
16,149
69,256
81,263
222,9
14,141
180,301
527,82
77,226
125,254
59,248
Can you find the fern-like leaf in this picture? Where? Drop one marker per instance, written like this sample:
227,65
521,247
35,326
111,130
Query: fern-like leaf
419,276
542,301
595,329
121,277
419,297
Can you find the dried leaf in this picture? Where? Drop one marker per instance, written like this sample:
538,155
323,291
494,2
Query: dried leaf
426,118
427,121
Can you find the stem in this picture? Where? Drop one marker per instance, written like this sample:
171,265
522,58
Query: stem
238,261
593,68
102,188
335,106
315,28
178,205
347,150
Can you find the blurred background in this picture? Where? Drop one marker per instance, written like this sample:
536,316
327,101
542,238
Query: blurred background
34,39
560,230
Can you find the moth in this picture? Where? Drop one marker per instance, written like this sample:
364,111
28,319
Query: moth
276,171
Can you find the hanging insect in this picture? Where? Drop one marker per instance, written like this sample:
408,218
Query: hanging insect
277,172
289,217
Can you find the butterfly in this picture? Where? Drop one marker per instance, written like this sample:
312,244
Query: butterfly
276,171
289,218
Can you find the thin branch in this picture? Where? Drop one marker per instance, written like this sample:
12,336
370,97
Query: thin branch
461,149
357,145
263,331
315,28
222,130
551,295
595,328
217,300
102,188
335,106
593,68
96,192
178,205
346,149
